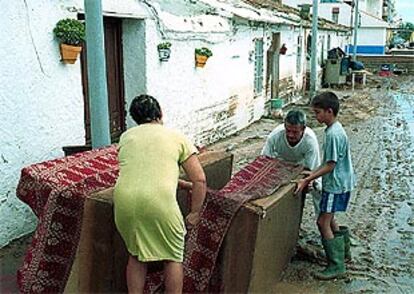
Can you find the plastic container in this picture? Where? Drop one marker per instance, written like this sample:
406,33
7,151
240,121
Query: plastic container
276,103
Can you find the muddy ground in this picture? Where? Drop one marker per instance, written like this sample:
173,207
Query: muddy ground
380,124
379,121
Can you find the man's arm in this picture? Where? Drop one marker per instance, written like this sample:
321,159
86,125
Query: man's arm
322,170
267,148
312,156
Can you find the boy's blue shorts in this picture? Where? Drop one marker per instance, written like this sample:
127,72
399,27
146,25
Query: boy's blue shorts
331,202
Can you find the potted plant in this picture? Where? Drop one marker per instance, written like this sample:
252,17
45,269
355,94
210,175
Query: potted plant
164,51
201,56
283,49
71,33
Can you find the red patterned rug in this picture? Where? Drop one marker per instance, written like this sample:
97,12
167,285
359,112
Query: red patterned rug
260,178
56,190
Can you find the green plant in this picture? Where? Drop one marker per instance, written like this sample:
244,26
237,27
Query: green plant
70,31
164,45
204,52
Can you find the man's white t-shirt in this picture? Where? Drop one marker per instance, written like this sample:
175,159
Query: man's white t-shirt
306,152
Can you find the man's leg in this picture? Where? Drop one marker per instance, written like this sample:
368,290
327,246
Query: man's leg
173,276
135,274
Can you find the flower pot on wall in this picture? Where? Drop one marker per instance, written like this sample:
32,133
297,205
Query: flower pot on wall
69,53
200,60
283,49
164,54
71,34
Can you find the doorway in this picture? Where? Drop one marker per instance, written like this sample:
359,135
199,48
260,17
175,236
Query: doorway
272,68
115,80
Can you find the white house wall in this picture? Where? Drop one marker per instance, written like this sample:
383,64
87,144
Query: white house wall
371,36
205,103
41,102
373,7
135,67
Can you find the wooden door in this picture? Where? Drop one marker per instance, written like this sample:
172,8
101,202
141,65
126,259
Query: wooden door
115,82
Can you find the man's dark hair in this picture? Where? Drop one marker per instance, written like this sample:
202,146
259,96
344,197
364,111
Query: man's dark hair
325,101
145,109
296,117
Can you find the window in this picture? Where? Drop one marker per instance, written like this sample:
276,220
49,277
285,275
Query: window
335,14
299,56
258,66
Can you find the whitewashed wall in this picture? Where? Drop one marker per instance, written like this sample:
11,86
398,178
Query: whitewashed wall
373,7
41,102
295,3
205,103
372,36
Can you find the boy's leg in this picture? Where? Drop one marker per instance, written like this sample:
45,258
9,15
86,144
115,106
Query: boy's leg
135,274
334,225
173,277
324,225
344,231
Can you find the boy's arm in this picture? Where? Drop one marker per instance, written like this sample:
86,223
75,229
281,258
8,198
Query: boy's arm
322,170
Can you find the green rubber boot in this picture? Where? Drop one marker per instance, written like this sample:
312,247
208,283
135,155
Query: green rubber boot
344,231
335,253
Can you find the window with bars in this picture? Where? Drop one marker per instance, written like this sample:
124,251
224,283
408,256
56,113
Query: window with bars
258,66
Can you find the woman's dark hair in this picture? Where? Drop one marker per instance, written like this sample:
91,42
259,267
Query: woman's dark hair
145,109
325,101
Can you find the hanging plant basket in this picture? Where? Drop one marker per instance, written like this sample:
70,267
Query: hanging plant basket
200,60
283,50
201,56
69,53
164,54
164,51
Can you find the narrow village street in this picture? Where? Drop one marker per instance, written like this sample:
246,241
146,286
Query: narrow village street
379,121
88,75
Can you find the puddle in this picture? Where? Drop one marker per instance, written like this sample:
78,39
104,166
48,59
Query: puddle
406,104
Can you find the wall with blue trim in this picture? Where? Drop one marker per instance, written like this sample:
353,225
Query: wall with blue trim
366,49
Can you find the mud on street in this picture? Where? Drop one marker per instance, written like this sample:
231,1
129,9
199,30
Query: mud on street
379,121
380,124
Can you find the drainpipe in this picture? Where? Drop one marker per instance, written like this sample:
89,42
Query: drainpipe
97,85
356,25
314,53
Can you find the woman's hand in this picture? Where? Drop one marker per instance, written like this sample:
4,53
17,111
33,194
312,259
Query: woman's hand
192,219
185,185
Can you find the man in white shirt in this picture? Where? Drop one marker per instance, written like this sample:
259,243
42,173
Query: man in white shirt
294,142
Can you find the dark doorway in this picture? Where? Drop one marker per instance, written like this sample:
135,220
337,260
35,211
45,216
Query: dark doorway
114,72
272,69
